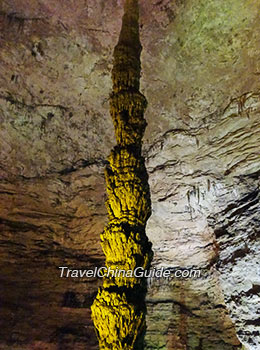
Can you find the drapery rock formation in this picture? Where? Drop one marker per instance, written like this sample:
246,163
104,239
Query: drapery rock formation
200,74
119,309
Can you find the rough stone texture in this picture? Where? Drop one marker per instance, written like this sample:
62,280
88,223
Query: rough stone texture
186,315
119,309
47,223
237,231
201,79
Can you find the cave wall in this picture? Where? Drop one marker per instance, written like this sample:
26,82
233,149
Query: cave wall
201,78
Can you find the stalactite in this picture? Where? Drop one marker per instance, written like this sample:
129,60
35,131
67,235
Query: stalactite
118,311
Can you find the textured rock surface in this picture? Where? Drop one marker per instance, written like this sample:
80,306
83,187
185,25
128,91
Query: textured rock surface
119,309
201,78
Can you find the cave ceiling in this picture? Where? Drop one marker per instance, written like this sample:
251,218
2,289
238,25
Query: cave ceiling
200,75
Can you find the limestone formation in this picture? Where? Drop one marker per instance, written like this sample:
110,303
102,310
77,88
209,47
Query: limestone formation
119,309
200,74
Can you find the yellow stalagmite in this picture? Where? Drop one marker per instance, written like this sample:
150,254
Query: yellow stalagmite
118,311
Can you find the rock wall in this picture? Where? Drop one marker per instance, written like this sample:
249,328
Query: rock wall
200,76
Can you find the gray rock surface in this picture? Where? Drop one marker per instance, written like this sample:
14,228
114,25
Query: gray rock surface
202,144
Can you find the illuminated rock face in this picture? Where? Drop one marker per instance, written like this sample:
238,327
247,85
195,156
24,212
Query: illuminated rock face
119,309
200,74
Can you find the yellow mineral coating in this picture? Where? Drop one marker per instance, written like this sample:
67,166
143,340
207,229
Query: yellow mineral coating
126,108
118,311
118,320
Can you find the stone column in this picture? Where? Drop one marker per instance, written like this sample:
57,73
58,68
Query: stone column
118,311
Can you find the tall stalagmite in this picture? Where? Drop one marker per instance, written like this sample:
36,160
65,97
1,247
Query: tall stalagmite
118,311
